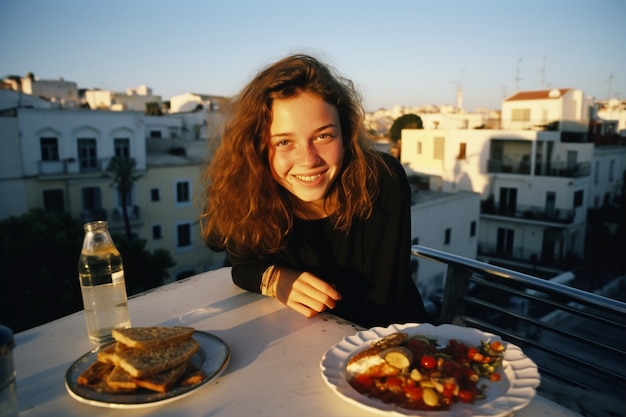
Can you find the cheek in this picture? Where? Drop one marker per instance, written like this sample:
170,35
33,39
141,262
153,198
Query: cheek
278,165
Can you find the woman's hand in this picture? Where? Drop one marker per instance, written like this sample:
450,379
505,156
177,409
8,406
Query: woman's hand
304,292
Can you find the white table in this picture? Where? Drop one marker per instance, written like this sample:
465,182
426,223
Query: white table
274,368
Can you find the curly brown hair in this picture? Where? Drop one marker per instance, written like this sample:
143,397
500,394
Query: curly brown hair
245,210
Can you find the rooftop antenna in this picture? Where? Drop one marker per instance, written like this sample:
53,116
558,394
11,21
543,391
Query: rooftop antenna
517,77
610,81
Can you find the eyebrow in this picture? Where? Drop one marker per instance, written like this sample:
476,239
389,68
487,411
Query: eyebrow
319,129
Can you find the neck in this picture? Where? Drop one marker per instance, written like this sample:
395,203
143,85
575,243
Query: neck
314,210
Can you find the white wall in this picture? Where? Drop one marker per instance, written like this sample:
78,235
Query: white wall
433,213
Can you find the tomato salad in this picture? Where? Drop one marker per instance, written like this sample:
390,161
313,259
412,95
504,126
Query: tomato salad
419,375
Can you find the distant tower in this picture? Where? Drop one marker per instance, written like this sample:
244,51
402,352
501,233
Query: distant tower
459,92
459,97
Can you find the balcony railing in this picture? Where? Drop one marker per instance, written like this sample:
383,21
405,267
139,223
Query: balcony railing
536,213
553,169
576,338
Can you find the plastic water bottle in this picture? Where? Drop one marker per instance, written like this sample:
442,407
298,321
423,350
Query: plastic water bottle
101,275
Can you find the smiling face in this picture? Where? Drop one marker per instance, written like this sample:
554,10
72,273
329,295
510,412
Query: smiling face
305,148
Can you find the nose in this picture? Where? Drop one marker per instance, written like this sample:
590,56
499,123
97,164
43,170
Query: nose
308,155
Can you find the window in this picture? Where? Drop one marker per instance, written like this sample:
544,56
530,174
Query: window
53,200
520,115
49,149
473,228
155,133
183,192
91,199
155,195
183,235
504,245
462,149
508,200
447,237
578,198
156,232
550,203
419,148
438,151
122,147
87,154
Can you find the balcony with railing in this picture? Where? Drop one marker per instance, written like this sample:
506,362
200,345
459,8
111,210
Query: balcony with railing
72,166
530,213
551,169
576,338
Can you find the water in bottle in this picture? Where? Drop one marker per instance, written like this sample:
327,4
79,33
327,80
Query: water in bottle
101,274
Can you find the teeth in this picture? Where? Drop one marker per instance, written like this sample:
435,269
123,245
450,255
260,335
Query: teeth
308,178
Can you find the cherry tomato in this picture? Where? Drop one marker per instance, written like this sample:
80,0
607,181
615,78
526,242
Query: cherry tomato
495,377
497,346
474,355
414,393
428,362
394,383
466,396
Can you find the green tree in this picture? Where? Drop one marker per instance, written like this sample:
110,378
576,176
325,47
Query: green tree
122,170
407,121
39,256
143,270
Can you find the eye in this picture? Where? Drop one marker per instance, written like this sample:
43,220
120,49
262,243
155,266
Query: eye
325,135
282,143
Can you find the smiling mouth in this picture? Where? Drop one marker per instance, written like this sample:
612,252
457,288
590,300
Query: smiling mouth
308,178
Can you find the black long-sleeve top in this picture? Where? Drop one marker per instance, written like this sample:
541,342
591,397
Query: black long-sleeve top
370,264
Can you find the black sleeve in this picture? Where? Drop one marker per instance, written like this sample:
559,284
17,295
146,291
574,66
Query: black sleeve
247,271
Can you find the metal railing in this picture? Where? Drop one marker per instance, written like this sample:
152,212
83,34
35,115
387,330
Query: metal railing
576,338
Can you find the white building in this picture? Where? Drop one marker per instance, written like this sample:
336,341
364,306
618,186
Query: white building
444,221
56,159
536,185
59,91
565,109
189,102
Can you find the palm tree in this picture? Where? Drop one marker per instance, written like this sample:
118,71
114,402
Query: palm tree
121,169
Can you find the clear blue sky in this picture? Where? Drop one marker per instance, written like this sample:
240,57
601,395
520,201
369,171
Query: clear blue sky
398,52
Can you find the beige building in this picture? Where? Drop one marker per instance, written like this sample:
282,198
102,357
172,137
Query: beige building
133,99
56,160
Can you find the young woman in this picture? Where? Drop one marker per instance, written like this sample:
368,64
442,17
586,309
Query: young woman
308,212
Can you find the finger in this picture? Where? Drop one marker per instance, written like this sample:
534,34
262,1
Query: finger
314,297
322,287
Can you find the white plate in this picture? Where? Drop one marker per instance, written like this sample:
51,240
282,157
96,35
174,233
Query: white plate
212,358
514,391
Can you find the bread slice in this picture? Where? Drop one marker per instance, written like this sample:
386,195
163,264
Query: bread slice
120,379
193,375
153,360
145,337
107,355
94,374
163,381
